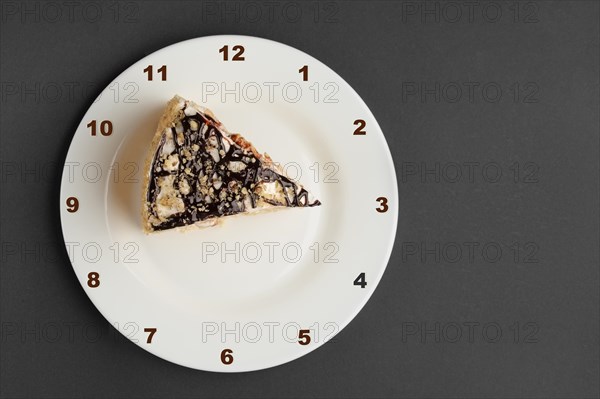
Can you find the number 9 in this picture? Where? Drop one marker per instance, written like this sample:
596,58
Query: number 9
72,204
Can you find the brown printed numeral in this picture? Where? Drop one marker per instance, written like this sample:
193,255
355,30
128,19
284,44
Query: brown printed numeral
93,280
226,357
236,57
151,332
72,204
304,72
383,205
361,125
106,127
162,70
304,337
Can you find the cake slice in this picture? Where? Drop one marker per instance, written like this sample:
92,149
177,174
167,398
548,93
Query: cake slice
197,173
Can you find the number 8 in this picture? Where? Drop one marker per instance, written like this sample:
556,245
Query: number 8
93,280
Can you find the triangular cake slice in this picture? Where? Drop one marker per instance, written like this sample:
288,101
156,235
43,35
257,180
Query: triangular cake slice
197,172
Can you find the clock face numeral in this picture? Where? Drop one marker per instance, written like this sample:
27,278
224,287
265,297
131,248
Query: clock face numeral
226,357
383,205
151,332
237,56
304,72
72,204
304,337
106,127
360,280
361,125
93,280
162,70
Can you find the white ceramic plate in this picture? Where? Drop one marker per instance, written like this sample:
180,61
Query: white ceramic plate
233,297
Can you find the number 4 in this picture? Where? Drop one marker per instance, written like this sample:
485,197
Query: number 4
360,280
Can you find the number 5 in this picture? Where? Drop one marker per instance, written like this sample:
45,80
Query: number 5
304,337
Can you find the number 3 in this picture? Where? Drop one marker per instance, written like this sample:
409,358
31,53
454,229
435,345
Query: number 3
383,205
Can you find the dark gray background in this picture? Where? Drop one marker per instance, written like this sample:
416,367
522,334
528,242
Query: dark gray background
548,216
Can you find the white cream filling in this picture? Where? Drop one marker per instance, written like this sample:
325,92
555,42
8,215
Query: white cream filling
169,145
167,201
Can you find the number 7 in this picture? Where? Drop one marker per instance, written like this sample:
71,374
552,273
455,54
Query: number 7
152,331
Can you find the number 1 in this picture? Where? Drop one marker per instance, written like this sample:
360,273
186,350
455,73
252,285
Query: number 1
304,72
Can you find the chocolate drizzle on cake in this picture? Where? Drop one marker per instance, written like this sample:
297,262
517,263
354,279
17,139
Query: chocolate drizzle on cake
197,173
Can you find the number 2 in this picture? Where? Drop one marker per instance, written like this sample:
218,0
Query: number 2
361,125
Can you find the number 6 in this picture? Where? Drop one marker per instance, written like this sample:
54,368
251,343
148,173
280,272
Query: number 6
226,357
